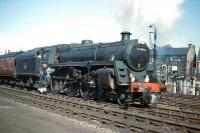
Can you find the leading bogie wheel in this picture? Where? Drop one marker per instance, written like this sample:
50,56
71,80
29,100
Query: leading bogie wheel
72,89
122,101
87,92
55,86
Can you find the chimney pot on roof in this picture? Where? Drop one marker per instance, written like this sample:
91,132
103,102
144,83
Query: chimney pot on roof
189,45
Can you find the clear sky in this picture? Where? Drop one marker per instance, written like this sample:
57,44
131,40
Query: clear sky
26,24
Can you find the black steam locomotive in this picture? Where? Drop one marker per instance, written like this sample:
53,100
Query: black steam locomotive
117,71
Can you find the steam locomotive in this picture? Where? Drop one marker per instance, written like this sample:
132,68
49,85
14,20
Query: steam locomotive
119,71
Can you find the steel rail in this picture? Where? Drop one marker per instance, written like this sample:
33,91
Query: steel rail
180,96
181,101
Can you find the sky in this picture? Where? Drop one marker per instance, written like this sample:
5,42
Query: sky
26,24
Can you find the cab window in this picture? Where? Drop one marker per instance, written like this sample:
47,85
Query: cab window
45,56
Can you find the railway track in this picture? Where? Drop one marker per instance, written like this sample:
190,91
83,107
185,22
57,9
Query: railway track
180,96
154,119
181,101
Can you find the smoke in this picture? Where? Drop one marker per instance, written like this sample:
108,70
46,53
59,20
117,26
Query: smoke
163,13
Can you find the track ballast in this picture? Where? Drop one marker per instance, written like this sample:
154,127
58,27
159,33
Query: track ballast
156,118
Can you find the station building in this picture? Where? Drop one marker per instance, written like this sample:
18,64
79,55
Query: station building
198,74
177,68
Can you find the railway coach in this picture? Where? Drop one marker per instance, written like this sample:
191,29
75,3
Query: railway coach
7,68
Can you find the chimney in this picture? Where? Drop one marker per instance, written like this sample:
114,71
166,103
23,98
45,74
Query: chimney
189,46
86,41
125,36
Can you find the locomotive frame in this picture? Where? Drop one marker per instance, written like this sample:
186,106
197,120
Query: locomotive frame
117,71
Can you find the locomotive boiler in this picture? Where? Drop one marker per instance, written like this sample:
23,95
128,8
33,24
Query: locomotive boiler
118,70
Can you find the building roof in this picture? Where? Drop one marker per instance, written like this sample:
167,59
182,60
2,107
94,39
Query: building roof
172,51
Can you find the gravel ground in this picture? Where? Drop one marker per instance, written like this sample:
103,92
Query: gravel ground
20,118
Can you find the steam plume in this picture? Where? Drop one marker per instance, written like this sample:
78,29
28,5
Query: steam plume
163,13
